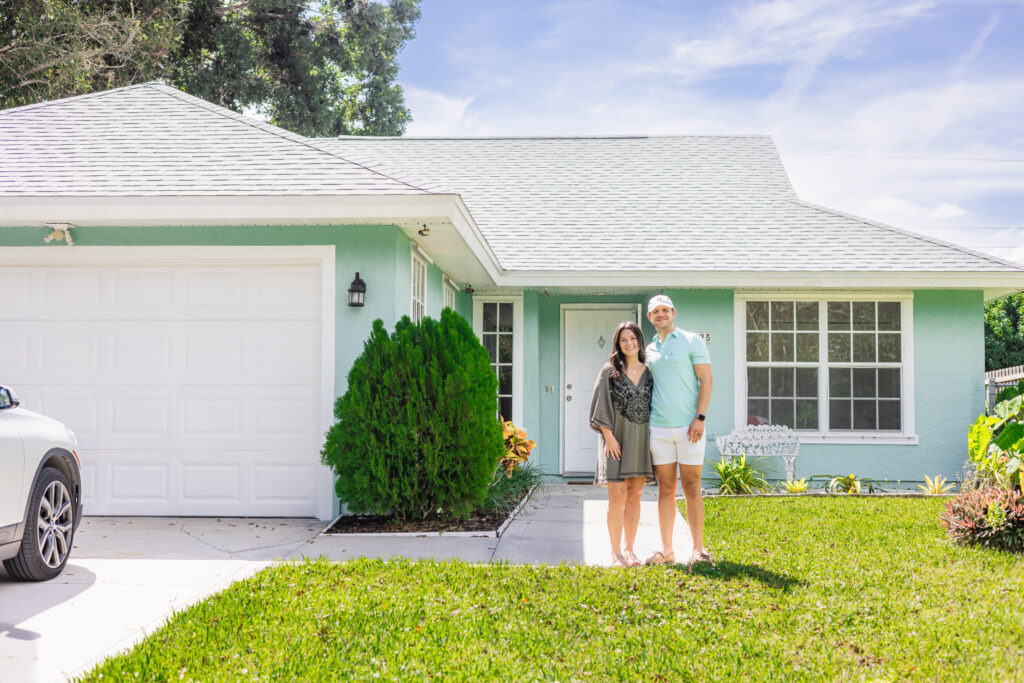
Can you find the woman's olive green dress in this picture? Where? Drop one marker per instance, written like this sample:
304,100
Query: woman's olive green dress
625,409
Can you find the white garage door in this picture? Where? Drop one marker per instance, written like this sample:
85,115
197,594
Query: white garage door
195,388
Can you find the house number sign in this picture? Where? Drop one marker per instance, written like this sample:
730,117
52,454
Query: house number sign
706,336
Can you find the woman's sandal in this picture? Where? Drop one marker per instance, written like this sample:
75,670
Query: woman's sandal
702,557
618,560
658,557
631,559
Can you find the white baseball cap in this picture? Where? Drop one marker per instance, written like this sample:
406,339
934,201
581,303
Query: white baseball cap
659,300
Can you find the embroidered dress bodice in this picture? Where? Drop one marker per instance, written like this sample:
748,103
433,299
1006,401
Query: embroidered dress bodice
633,402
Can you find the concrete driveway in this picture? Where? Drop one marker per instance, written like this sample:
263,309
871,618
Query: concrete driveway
128,574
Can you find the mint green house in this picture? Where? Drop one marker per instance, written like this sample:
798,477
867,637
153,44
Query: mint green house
176,288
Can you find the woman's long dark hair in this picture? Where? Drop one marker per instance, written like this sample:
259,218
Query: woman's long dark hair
618,358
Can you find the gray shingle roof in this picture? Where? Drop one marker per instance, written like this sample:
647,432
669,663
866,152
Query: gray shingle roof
693,203
154,140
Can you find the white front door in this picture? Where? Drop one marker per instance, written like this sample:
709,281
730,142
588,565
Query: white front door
588,332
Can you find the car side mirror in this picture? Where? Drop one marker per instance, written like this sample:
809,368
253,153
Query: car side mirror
8,399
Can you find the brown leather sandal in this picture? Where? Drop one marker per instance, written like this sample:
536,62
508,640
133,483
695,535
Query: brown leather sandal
631,559
618,560
658,557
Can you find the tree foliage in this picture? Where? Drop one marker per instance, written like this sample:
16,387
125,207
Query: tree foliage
318,68
416,432
1004,335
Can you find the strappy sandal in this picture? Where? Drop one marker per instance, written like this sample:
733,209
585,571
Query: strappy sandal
618,560
702,557
631,559
658,557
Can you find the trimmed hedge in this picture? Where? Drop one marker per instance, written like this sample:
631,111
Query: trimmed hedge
417,433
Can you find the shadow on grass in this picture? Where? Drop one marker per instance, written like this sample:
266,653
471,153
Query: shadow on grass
728,571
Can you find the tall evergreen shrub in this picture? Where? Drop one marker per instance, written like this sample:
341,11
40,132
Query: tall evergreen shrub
416,432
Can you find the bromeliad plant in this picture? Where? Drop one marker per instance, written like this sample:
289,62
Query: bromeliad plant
798,486
739,476
989,516
849,484
936,486
996,443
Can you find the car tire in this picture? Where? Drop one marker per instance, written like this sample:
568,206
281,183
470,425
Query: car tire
49,530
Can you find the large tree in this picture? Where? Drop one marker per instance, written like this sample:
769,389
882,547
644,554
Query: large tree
318,68
1004,332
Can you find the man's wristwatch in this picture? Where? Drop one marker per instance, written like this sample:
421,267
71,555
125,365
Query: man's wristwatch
701,417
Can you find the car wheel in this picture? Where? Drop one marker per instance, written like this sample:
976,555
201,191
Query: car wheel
49,529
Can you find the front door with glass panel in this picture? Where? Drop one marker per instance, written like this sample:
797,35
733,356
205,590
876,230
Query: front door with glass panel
586,346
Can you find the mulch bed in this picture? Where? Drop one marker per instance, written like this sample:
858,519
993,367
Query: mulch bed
362,524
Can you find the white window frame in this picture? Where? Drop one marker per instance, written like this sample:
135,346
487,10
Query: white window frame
448,292
418,286
517,344
907,436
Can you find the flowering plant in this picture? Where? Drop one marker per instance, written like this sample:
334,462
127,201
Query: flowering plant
517,447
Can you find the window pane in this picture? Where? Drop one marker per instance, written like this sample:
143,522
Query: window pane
505,407
505,318
782,315
864,415
806,414
504,379
864,383
839,414
864,315
757,381
757,347
782,412
889,315
889,383
490,317
757,411
838,315
757,315
889,415
782,382
807,315
864,348
504,348
807,348
839,382
782,347
807,382
888,348
839,348
491,344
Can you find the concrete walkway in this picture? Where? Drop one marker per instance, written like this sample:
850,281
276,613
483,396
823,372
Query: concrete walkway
127,575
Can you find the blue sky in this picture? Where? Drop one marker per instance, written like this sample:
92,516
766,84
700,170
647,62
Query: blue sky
907,112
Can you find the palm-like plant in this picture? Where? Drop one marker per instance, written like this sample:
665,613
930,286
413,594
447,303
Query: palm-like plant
936,486
739,476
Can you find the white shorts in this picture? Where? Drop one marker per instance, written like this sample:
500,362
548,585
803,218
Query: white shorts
672,445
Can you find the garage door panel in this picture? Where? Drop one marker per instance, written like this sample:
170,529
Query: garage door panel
193,390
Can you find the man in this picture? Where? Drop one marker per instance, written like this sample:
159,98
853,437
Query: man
681,367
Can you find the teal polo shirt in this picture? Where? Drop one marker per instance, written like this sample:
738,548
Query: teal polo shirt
674,403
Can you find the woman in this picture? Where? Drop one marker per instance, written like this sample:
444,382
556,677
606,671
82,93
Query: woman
619,412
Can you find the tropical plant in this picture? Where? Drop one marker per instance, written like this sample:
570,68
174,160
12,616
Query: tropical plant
739,476
936,486
797,486
989,516
849,483
517,447
995,443
416,434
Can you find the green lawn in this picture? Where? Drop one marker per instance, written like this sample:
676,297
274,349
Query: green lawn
805,588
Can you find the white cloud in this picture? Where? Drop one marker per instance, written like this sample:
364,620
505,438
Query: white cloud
898,211
434,113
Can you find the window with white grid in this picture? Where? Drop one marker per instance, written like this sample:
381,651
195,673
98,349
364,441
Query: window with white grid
449,296
831,366
419,288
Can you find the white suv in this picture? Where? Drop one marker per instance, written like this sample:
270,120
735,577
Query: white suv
40,491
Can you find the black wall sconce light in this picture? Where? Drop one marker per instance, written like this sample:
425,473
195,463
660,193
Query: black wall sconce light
357,292
469,289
